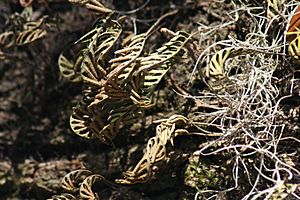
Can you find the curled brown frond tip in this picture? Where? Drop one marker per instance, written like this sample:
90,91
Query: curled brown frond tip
93,5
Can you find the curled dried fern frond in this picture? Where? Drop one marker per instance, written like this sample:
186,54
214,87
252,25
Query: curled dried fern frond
86,191
102,37
89,64
97,116
156,151
71,181
80,183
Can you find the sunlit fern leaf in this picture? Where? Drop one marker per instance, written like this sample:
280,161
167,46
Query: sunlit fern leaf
156,65
64,196
86,191
78,122
93,5
122,113
29,36
68,69
216,65
127,60
7,39
74,71
70,182
215,68
106,131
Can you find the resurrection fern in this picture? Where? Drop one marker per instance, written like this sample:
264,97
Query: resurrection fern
215,68
32,31
113,105
91,70
105,41
113,96
99,44
128,60
118,90
244,136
